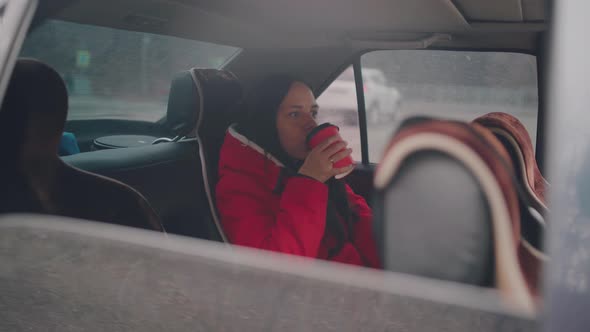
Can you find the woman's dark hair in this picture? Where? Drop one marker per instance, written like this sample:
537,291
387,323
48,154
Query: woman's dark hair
260,126
260,121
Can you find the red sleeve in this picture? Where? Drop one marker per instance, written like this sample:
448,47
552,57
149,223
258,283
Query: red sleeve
362,236
298,226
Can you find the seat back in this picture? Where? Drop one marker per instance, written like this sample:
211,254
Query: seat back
174,176
210,98
531,184
515,138
218,94
35,179
448,208
167,174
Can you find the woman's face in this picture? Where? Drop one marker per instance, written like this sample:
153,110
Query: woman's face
295,119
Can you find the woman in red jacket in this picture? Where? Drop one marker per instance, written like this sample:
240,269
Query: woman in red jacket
275,194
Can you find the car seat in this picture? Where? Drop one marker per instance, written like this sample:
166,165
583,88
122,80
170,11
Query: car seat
213,98
34,178
447,208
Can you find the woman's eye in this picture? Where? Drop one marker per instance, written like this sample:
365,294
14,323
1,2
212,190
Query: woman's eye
293,114
314,114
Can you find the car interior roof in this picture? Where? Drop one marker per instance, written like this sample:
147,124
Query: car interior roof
506,24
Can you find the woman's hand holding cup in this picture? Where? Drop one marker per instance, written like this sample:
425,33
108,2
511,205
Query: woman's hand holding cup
329,155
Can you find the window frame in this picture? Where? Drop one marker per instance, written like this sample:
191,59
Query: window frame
15,20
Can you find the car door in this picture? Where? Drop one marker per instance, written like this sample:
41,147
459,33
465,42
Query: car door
93,277
568,162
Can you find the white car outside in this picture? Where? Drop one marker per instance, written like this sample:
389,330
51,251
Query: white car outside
382,101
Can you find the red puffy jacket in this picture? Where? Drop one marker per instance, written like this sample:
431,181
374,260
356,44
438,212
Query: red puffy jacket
291,222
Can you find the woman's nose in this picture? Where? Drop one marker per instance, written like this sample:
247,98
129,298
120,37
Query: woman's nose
310,124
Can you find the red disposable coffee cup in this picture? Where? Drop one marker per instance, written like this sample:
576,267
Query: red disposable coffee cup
322,133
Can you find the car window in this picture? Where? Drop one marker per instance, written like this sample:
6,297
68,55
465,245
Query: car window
338,105
449,84
379,79
347,75
118,74
373,76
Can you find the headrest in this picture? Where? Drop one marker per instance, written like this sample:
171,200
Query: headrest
36,95
197,90
448,206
